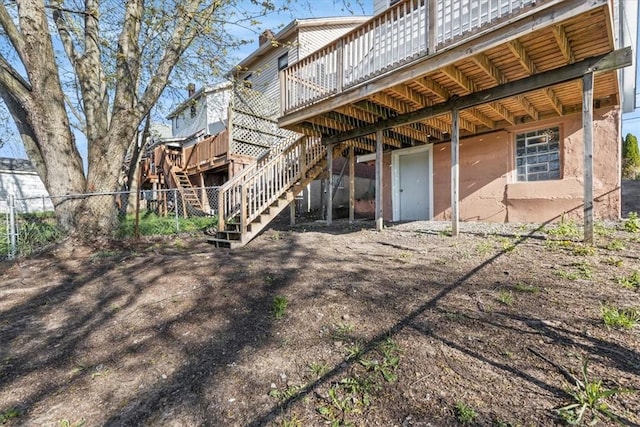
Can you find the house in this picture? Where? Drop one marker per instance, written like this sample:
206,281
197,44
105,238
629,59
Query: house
18,178
223,130
477,110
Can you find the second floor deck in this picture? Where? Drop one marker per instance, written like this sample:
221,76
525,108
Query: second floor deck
421,53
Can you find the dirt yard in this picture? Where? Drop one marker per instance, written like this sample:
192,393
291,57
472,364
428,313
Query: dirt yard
406,327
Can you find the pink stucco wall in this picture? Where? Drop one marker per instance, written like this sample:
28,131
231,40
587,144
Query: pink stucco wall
488,187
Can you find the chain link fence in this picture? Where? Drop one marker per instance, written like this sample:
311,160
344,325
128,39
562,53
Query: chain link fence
30,222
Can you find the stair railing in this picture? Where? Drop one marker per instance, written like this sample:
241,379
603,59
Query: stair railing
250,193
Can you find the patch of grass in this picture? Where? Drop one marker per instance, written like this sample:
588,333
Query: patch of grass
584,250
565,230
631,281
632,223
580,270
9,414
68,423
616,245
589,401
279,306
558,244
154,225
342,331
602,230
36,232
525,288
506,298
484,247
614,317
287,393
612,261
318,369
291,421
465,413
354,352
507,244
447,232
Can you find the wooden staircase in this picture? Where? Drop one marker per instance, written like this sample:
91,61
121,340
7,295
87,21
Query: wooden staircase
190,198
252,199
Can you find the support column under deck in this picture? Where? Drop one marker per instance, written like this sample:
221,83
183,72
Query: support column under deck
587,126
330,189
352,184
455,171
379,217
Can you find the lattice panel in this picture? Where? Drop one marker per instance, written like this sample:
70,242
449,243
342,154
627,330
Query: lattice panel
254,123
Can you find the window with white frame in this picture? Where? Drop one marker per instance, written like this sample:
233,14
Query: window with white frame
538,155
283,61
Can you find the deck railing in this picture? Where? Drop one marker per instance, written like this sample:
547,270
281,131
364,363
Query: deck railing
205,151
248,194
409,30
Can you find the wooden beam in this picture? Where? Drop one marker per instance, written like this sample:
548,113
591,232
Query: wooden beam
485,64
554,101
399,107
435,88
502,111
379,169
459,78
563,43
480,117
616,59
587,126
455,171
528,107
522,56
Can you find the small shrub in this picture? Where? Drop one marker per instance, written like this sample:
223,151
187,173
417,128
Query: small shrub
318,369
632,223
584,250
631,281
8,414
464,413
524,288
615,262
279,306
616,245
588,401
505,298
565,230
484,247
614,317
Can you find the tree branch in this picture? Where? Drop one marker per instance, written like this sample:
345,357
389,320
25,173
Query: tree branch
12,31
65,36
13,82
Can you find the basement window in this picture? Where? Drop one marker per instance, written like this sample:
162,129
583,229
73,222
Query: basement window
538,155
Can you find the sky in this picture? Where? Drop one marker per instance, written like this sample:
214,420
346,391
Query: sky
320,8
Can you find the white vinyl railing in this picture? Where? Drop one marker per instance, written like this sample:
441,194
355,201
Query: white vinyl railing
406,31
248,194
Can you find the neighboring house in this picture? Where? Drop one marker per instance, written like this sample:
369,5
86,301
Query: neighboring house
396,84
19,178
220,130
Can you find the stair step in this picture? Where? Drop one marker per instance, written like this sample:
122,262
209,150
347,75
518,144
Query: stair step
229,235
223,243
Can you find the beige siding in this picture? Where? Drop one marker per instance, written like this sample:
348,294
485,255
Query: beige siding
312,39
264,73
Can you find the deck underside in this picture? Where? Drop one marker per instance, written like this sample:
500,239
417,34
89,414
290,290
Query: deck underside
515,51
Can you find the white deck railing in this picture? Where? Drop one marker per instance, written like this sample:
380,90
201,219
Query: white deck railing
406,31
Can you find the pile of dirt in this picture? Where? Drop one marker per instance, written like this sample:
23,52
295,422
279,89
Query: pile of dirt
316,325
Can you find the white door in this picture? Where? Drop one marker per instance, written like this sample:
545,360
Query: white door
414,186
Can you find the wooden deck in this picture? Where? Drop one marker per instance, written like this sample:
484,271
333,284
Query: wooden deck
421,53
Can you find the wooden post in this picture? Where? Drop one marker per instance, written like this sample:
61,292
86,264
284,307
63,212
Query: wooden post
352,184
379,217
292,212
243,208
303,158
587,126
221,224
339,65
432,30
455,170
330,190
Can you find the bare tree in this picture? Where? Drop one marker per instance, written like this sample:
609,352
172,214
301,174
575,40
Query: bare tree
101,65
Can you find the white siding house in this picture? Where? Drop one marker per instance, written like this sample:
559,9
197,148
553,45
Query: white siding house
19,178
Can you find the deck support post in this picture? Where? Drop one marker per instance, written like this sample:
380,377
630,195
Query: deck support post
379,217
292,212
587,126
330,184
243,208
352,184
455,170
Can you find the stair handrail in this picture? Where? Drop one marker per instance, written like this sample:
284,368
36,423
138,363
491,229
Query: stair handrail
251,192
